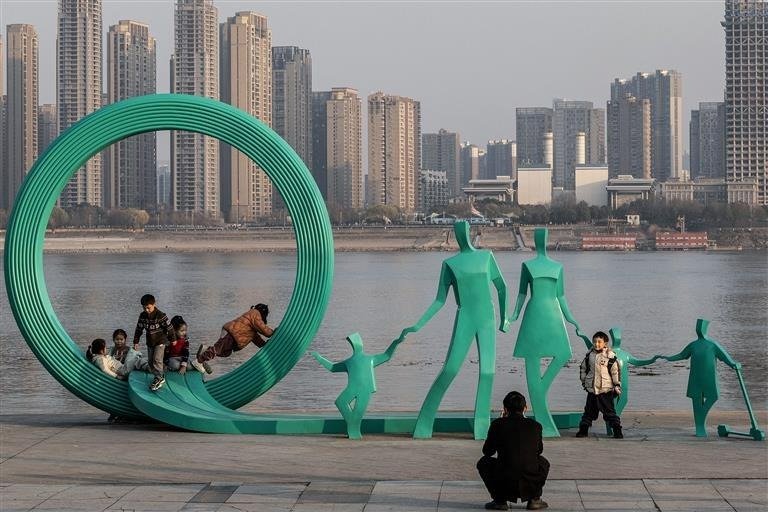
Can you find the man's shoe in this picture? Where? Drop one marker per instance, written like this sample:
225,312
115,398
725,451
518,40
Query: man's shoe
157,383
583,432
536,504
495,505
617,433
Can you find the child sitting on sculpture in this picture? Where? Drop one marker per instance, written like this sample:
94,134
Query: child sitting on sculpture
119,349
361,381
600,377
236,335
177,353
97,354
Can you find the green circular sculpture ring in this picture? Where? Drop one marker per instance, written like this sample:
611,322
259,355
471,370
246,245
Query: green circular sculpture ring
25,280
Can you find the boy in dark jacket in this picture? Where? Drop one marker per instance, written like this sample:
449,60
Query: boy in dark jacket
158,329
520,471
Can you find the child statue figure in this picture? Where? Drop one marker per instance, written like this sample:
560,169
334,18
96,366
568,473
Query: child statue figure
361,382
702,380
625,359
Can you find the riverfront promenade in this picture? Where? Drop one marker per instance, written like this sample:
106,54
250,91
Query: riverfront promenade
79,462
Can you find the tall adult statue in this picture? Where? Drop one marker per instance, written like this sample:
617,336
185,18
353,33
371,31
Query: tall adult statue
702,379
470,273
542,331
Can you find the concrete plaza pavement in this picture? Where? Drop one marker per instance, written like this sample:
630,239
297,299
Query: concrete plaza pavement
80,462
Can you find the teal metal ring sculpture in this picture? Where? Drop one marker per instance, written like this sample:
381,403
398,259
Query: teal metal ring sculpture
25,280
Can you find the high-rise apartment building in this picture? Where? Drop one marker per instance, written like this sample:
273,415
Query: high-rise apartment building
568,119
292,98
3,165
664,90
629,137
195,157
47,126
707,139
344,151
470,163
531,125
433,190
746,93
319,166
163,184
21,106
246,83
441,151
79,88
130,178
500,159
394,152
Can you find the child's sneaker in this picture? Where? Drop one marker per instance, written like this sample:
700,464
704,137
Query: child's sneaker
207,367
157,383
197,365
203,348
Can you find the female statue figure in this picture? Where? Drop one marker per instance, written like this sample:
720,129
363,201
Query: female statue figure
542,331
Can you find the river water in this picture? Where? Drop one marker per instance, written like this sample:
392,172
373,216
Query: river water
655,297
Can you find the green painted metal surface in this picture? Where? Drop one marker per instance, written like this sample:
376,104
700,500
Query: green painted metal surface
361,380
470,273
184,402
703,388
542,331
25,280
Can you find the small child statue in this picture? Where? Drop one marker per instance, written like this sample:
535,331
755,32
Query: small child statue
361,382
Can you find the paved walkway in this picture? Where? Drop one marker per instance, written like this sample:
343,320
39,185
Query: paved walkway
80,462
388,496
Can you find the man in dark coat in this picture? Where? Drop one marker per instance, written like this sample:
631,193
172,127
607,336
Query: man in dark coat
520,471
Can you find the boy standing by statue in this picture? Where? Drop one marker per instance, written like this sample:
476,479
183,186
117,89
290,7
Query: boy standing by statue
599,373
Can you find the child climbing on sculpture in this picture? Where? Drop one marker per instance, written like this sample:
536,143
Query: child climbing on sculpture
361,381
236,335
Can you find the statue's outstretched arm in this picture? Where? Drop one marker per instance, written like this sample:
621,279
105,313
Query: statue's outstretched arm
387,354
564,304
501,288
446,279
684,354
334,367
641,362
725,357
525,278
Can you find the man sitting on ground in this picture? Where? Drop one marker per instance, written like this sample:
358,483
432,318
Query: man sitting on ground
520,471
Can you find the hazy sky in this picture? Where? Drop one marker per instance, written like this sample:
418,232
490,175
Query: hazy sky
469,63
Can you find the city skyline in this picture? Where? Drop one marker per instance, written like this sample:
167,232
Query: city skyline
581,71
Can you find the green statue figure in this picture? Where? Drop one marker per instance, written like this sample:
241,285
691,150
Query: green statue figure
702,379
470,273
542,330
361,382
625,359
